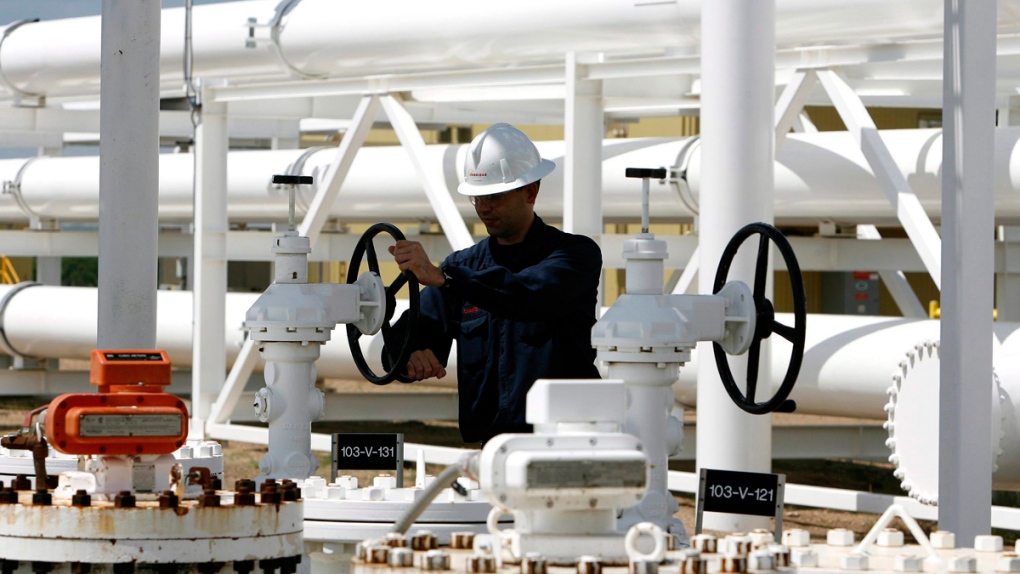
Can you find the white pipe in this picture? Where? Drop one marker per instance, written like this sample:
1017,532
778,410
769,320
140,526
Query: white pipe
325,37
817,176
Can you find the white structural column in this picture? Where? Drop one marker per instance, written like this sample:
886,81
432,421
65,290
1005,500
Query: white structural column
209,360
737,150
968,101
432,179
791,102
128,174
584,130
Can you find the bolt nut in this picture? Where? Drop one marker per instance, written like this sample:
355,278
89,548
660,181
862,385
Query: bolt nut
890,538
462,540
804,557
209,498
693,563
244,497
796,537
481,564
385,481
761,538
962,564
908,563
124,499
642,567
942,539
988,543
435,560
81,498
839,537
396,540
1008,562
738,543
377,554
733,563
706,543
534,563
588,564
760,560
424,540
401,557
855,561
781,554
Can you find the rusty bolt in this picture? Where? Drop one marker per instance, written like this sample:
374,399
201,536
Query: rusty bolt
424,540
396,540
8,496
209,498
216,483
290,492
244,482
378,554
268,482
21,482
168,499
244,566
479,564
81,568
81,498
244,497
589,565
124,567
124,499
288,564
462,540
42,567
42,498
8,566
270,497
534,563
733,563
209,567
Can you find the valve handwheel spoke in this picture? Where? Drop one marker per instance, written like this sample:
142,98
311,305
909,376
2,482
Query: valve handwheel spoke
397,360
766,323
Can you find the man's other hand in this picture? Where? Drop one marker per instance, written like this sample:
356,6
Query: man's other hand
411,256
423,365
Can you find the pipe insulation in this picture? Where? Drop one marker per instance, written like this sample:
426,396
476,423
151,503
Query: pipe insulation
819,176
850,362
260,39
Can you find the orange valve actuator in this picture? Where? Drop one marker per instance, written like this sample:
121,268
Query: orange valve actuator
129,415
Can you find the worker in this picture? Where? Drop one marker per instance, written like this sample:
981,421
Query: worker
520,304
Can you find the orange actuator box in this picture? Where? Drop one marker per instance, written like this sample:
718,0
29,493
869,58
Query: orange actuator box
129,415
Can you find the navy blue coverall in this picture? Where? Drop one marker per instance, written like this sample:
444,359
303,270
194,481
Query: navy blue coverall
519,313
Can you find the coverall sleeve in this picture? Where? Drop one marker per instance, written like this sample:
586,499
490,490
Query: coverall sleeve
541,291
435,325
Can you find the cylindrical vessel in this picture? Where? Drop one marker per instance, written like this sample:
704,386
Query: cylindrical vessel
288,408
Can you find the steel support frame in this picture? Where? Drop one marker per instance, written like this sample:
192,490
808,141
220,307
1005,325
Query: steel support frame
209,282
909,211
968,200
895,281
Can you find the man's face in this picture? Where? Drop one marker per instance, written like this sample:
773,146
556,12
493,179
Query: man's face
507,215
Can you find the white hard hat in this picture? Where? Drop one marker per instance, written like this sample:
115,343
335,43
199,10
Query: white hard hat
500,159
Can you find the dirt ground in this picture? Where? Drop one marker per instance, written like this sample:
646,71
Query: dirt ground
242,462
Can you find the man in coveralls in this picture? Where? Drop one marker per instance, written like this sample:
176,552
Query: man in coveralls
520,304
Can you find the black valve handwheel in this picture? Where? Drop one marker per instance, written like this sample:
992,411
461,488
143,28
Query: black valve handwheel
766,320
396,361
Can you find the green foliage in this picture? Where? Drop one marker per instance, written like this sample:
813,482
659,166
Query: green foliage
79,271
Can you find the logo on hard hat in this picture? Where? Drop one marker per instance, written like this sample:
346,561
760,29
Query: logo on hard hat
478,175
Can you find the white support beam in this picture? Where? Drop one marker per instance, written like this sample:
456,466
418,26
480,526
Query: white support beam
689,275
968,215
895,281
328,188
791,102
373,407
583,131
433,181
209,282
908,208
856,442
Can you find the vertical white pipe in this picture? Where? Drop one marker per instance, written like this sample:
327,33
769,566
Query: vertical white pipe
737,148
210,280
584,129
128,173
968,101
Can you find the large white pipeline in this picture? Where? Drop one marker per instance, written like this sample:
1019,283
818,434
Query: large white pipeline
327,37
817,176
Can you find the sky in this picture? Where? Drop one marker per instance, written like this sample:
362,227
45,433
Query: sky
11,10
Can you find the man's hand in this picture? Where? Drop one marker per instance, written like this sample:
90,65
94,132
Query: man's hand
411,256
423,365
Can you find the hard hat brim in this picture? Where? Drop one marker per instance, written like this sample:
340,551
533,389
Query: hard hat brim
544,168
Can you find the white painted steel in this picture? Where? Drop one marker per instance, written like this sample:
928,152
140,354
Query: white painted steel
128,174
738,148
209,283
584,128
817,176
290,404
968,104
